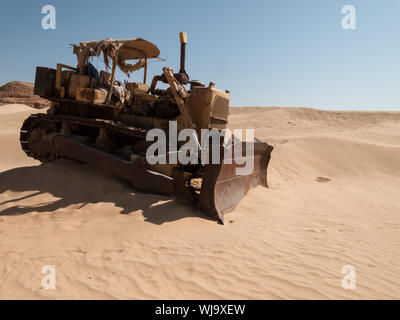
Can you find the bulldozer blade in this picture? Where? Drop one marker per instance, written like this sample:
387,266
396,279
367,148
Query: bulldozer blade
223,187
142,179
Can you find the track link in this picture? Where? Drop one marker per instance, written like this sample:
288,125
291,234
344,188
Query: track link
33,120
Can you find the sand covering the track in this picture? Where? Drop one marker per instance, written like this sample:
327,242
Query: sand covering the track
334,200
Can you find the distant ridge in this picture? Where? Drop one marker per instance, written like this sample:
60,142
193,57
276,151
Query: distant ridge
19,92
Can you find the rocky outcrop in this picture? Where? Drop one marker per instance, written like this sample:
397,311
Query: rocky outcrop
21,93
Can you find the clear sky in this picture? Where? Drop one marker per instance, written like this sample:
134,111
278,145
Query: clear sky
266,52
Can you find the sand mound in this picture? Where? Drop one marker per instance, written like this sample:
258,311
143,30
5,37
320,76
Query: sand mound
19,92
333,201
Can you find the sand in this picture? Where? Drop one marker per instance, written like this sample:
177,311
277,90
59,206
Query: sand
334,200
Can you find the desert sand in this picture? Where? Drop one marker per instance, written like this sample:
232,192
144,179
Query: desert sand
334,200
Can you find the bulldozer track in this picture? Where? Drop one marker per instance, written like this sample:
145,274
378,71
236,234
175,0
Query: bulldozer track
33,120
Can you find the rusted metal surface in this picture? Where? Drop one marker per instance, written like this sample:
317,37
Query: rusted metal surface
223,188
182,76
141,178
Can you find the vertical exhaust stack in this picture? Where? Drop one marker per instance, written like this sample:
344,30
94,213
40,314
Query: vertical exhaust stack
182,76
183,39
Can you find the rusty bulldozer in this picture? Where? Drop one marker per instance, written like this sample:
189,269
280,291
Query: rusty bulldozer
97,120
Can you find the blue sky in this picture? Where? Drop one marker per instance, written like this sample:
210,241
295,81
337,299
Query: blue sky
267,52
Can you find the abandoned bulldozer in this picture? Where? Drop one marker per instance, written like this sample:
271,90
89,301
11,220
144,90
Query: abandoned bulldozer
98,120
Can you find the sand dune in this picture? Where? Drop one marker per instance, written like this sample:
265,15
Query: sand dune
333,201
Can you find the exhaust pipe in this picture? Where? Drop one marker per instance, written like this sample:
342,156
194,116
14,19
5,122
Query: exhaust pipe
182,76
183,39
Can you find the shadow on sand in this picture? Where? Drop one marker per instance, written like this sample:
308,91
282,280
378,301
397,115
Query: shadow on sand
78,184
